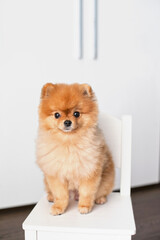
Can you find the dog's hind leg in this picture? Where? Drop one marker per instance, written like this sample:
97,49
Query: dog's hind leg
106,184
49,193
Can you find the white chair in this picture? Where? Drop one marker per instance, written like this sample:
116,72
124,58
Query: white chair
111,221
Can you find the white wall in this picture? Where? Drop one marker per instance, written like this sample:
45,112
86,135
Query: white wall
36,48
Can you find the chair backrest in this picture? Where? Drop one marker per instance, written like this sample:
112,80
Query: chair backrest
117,133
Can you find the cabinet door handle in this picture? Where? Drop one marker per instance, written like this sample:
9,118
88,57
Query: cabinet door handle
78,29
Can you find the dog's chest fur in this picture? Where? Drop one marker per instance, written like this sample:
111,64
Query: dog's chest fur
71,161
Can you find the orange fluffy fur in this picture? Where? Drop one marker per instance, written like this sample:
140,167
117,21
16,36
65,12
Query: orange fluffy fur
75,157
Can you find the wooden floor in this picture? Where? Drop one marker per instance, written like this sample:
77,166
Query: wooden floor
146,204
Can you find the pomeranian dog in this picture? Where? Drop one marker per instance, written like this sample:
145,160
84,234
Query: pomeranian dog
71,150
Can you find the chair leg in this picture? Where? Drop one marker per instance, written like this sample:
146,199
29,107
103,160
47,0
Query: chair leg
130,238
30,235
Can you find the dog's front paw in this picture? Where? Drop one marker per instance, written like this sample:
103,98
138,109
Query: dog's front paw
84,209
57,210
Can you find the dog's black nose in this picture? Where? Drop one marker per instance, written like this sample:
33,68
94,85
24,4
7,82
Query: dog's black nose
67,123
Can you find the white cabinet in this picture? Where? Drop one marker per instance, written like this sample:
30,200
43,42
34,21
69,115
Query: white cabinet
37,46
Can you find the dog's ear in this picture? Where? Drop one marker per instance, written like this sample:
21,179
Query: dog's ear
47,89
87,90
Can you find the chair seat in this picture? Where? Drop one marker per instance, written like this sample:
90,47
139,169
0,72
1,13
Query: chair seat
113,218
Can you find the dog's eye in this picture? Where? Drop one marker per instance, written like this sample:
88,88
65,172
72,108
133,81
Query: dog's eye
76,114
57,115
